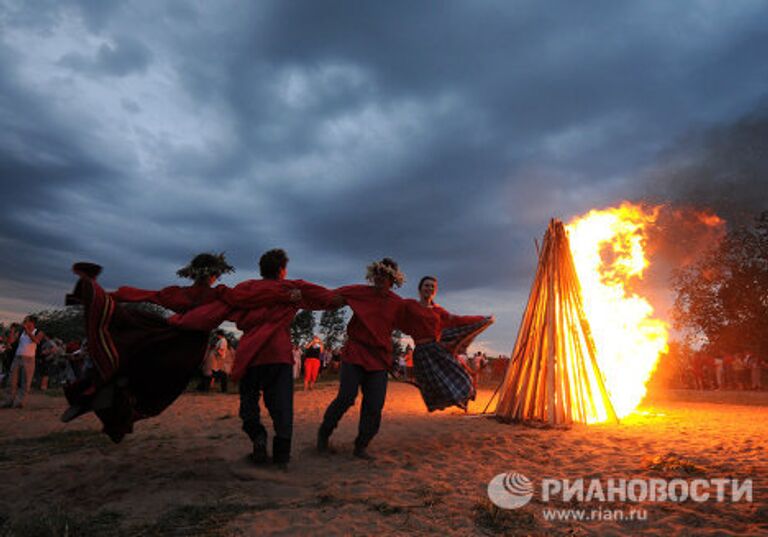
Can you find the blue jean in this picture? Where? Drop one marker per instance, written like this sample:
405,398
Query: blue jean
24,366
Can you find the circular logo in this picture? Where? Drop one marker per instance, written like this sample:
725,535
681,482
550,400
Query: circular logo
510,490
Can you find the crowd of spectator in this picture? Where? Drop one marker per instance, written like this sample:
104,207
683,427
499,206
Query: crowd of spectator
704,371
31,359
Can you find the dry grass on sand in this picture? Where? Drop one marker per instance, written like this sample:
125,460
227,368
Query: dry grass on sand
185,472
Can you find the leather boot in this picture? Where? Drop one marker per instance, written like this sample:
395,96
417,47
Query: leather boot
259,454
323,439
361,451
281,451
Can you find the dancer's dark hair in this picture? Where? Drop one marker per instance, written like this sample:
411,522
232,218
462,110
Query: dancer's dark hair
271,262
425,278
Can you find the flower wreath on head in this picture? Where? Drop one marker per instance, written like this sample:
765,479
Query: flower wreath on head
204,265
377,267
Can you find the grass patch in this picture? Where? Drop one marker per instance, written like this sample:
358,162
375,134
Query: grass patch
29,449
492,520
58,522
199,520
430,496
327,499
386,509
672,463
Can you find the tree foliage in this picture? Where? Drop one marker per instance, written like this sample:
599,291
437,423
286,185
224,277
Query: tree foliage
724,296
398,347
147,307
333,327
303,327
67,323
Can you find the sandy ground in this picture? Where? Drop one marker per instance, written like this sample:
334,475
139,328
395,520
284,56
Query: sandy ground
185,472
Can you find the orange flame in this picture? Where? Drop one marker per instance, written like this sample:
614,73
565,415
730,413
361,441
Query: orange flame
608,249
710,220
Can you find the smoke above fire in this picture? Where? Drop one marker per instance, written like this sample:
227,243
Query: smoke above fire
679,236
675,236
705,185
722,170
708,182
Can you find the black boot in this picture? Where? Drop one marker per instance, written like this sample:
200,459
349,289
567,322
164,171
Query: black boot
259,455
361,451
73,412
281,451
205,384
323,439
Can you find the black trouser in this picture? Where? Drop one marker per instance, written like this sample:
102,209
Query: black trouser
205,383
223,378
276,382
7,358
374,387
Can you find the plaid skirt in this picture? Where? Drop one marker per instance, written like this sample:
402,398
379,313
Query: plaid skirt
457,339
442,380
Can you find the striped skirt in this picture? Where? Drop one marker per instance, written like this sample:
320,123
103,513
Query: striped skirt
142,363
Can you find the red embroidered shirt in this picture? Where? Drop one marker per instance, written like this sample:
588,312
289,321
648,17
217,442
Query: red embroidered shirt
422,323
179,299
369,332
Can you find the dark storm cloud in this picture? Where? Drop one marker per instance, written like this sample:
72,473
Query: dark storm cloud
515,76
443,134
39,160
124,57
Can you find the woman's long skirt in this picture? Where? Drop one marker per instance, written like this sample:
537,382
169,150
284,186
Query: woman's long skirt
141,363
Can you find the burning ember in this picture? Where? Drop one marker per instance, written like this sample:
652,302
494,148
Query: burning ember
608,252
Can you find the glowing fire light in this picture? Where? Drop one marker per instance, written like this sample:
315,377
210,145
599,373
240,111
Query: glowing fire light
608,251
711,220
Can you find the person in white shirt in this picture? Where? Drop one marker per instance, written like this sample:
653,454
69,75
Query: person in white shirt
24,359
221,366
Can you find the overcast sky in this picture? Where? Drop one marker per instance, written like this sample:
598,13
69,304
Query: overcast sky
443,134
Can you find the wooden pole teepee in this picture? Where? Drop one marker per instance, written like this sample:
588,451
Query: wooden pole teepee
553,376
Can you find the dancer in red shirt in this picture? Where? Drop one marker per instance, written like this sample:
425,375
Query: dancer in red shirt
264,358
204,270
367,355
141,362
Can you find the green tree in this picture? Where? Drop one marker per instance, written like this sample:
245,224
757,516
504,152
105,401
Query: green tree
303,327
333,327
148,307
67,323
724,296
398,347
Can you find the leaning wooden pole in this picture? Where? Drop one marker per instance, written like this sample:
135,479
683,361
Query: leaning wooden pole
553,376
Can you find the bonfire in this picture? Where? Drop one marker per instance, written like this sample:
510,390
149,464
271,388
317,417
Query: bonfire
587,344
